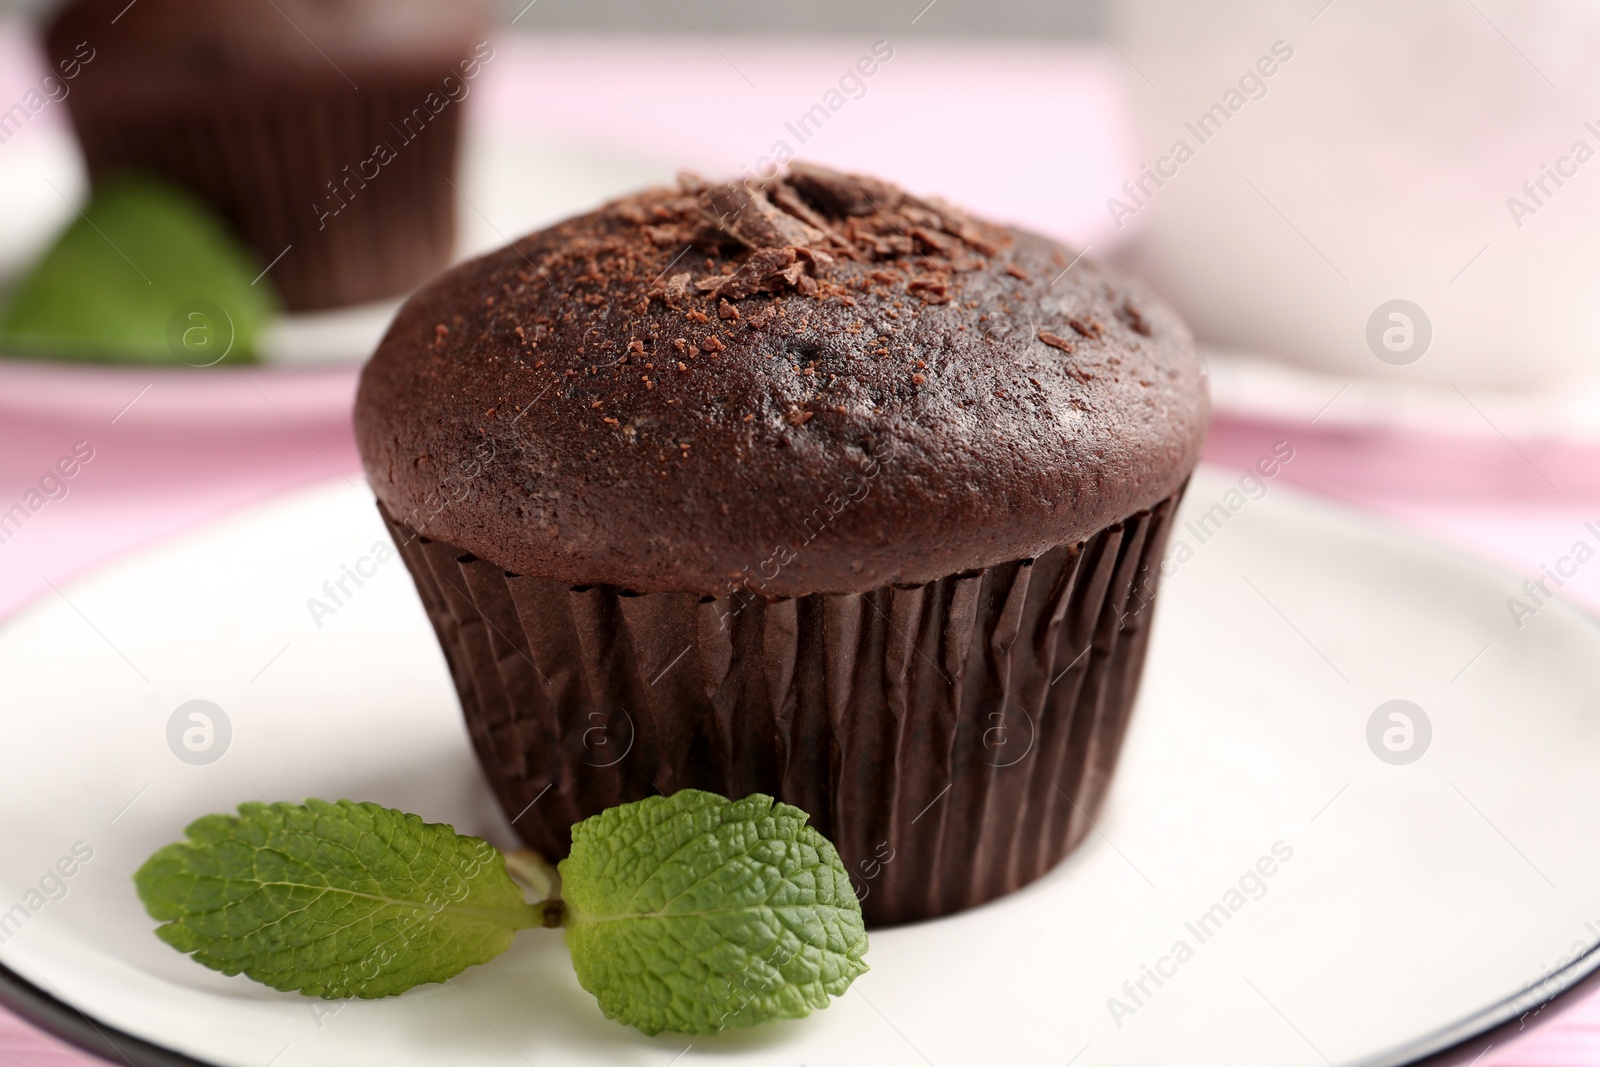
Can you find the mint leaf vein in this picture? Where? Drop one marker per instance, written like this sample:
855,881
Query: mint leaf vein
697,914
333,900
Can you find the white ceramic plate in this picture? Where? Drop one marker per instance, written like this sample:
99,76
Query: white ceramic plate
1418,898
1257,386
511,183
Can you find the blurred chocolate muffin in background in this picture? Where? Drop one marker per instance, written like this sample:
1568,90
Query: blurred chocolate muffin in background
325,131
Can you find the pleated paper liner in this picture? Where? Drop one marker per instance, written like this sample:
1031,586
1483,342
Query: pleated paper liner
953,739
298,168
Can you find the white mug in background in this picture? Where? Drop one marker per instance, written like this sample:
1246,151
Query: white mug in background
1365,185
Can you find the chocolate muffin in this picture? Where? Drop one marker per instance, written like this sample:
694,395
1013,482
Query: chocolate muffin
807,487
325,131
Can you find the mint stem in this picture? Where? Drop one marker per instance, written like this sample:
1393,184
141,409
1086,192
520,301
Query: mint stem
534,873
539,876
527,917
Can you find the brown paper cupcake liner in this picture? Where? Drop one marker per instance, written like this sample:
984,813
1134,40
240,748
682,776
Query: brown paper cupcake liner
953,739
264,159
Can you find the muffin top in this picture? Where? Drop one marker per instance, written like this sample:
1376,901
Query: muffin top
811,384
161,43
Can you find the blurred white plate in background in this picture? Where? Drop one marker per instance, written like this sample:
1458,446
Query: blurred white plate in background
1258,387
511,184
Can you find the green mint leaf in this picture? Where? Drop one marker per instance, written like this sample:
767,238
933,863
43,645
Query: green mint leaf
146,274
333,900
696,914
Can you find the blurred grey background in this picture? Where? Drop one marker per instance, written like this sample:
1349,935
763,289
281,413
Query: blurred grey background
948,18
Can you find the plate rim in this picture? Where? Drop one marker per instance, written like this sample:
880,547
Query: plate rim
78,1028
1443,1047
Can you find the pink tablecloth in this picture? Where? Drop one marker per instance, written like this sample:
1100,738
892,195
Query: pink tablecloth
170,452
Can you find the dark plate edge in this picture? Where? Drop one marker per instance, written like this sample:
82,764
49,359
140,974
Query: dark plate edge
60,1019
1467,1041
1462,1043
